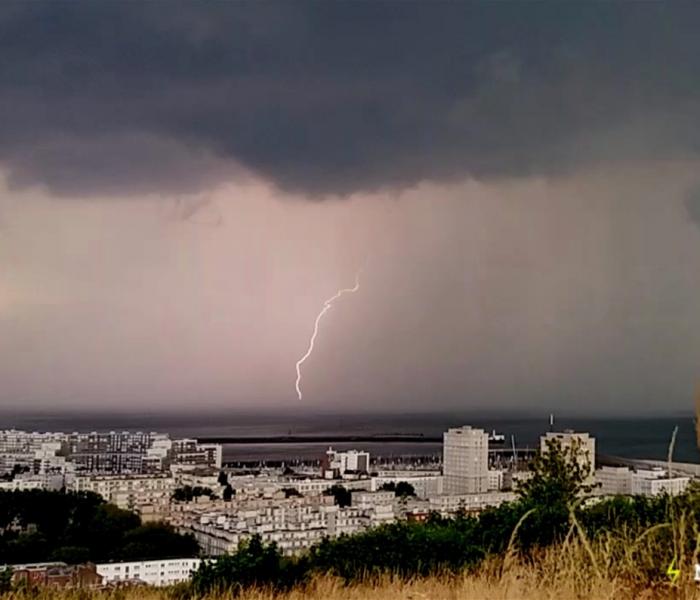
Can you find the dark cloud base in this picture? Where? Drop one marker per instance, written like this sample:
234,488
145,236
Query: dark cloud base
333,98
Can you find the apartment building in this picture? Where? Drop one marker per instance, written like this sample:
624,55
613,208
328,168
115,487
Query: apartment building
130,492
151,572
465,460
449,505
424,483
106,453
294,524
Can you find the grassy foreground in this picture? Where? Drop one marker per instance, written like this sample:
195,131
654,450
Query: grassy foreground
615,569
519,585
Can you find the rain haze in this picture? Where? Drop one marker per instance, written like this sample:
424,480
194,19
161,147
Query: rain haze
182,189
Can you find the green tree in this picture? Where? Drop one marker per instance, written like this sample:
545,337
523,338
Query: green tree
223,479
340,494
254,564
229,493
188,493
557,485
402,489
156,540
76,527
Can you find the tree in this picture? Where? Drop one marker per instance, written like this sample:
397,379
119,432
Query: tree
223,479
229,493
340,494
79,527
254,564
156,540
556,487
402,489
188,493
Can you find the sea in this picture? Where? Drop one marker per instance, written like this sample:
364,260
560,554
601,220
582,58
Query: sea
630,437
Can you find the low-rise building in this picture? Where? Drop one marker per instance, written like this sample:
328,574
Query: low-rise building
364,499
56,574
449,505
613,481
653,486
151,572
424,483
294,523
623,481
33,482
496,480
339,464
128,492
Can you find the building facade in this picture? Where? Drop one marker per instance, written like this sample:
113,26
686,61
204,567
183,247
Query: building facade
151,572
465,460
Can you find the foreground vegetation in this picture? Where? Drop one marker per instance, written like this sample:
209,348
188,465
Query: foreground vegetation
41,525
554,532
554,541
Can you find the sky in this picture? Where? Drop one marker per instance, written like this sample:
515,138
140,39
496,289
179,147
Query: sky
182,185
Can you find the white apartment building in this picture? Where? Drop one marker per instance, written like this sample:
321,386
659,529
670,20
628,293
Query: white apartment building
622,481
465,460
613,481
364,499
33,482
645,486
337,464
582,443
191,452
184,475
448,505
496,479
107,453
128,492
151,572
316,487
425,484
294,524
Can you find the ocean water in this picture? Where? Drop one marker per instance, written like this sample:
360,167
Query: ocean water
643,437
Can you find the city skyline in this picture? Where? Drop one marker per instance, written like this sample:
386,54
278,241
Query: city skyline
181,192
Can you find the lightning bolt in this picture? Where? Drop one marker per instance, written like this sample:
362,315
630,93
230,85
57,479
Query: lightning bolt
327,305
672,572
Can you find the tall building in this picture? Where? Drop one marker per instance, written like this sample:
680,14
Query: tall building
465,460
582,443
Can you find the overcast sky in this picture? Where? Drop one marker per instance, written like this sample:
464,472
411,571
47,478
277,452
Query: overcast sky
182,185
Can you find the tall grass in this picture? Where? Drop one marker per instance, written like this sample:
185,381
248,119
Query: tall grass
612,568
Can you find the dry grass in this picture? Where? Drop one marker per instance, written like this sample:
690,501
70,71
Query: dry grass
518,585
562,573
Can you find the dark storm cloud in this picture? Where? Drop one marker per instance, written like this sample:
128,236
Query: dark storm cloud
125,98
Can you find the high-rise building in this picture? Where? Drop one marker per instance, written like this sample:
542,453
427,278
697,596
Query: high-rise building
465,460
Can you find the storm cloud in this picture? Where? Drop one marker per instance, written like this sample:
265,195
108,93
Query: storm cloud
334,98
520,180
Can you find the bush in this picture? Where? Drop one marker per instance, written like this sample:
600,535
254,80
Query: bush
402,548
254,564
